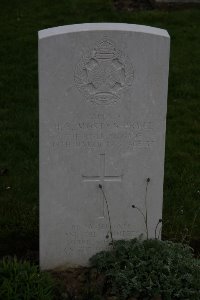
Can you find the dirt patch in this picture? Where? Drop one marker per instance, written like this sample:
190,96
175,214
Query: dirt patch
80,284
85,284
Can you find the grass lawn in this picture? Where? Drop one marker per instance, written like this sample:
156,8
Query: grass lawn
19,197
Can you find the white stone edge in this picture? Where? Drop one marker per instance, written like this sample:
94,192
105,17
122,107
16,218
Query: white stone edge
101,27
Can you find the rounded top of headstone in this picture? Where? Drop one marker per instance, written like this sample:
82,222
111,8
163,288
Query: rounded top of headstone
101,27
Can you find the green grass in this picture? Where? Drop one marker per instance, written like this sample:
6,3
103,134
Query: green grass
19,22
20,280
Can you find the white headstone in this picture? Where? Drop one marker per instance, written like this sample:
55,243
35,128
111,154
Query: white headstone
103,103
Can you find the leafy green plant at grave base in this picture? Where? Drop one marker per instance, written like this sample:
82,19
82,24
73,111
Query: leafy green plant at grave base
150,268
21,280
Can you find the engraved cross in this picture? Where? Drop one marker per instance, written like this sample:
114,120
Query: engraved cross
101,178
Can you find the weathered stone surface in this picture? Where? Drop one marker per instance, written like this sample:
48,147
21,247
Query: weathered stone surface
103,103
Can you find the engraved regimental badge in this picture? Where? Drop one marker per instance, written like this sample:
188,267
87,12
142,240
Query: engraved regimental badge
103,73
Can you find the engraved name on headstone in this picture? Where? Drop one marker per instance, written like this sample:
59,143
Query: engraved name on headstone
103,103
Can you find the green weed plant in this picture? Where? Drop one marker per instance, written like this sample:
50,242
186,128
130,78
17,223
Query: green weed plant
150,268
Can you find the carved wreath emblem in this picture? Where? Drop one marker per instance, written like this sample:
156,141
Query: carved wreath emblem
103,73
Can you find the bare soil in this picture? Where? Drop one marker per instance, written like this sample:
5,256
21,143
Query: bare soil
79,283
84,284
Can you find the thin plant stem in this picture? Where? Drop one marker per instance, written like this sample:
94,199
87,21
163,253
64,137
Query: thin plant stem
140,211
111,234
156,229
159,221
163,224
146,213
145,216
